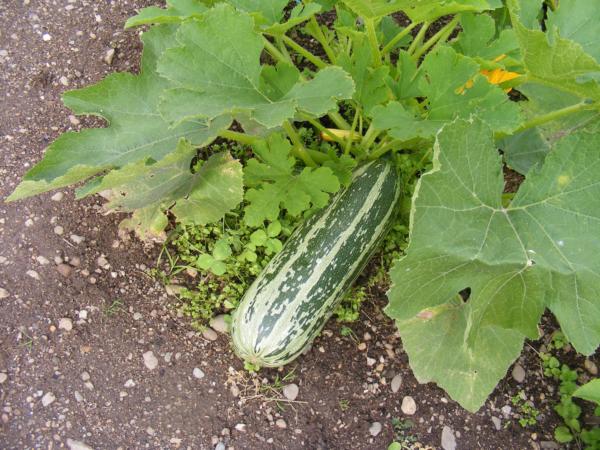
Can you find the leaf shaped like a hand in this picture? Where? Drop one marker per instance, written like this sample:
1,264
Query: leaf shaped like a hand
136,131
199,198
541,251
221,74
275,185
175,12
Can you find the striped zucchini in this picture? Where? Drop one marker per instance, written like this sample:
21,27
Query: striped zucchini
288,304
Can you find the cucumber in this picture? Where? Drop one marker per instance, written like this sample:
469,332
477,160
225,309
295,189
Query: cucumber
289,302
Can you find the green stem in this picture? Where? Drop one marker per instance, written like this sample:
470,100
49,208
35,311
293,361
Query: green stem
305,53
549,117
373,42
298,147
274,52
440,36
418,38
238,137
319,36
318,156
282,48
383,149
369,137
390,45
339,121
315,123
354,123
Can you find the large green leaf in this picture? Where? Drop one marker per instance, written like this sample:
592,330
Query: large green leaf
175,12
201,197
555,61
524,150
448,97
579,21
418,10
589,391
136,132
541,251
275,184
220,73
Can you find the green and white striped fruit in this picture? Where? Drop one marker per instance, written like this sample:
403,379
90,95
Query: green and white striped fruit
288,304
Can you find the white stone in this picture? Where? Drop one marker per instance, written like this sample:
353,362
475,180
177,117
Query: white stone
48,399
46,37
591,367
33,274
197,373
137,316
57,197
65,82
77,445
42,260
290,391
448,438
518,373
150,361
409,407
83,314
59,230
85,376
102,262
3,293
280,423
375,429
218,323
497,423
108,57
77,239
240,427
396,383
65,324
3,377
129,383
210,334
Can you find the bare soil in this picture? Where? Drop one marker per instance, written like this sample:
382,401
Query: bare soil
118,313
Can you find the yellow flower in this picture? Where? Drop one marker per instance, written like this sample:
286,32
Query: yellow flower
495,76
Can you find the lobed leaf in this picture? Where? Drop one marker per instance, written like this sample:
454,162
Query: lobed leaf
275,185
510,263
176,11
220,74
136,130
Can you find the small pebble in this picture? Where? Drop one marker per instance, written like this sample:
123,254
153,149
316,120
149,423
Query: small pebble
85,376
241,427
396,383
448,439
48,399
42,260
83,314
65,324
3,377
58,196
280,423
137,316
59,230
362,346
209,334
77,239
409,407
46,37
197,373
375,428
3,293
150,361
130,383
64,269
290,391
518,373
77,445
102,262
218,323
109,56
591,367
33,274
497,423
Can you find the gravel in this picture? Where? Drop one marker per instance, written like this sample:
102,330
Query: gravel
198,373
65,324
497,423
48,399
396,383
218,323
409,407
518,373
375,428
3,293
280,423
448,439
3,377
150,361
210,334
290,391
64,269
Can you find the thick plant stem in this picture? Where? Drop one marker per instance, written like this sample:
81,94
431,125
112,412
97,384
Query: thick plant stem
354,124
390,45
242,138
369,137
319,36
440,36
274,51
373,42
549,117
315,123
318,62
339,121
418,38
298,147
382,150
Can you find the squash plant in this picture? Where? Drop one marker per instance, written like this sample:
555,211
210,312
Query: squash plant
444,91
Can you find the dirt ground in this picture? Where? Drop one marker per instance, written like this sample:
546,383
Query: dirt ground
92,351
